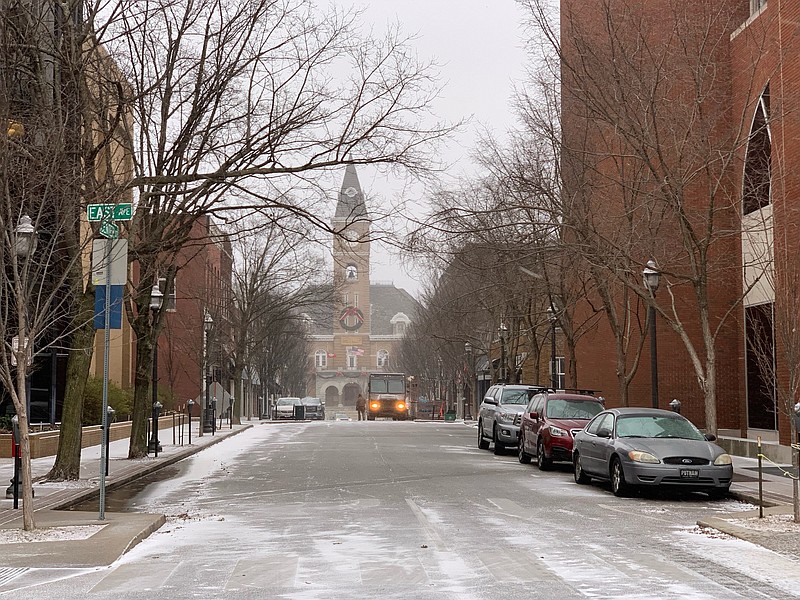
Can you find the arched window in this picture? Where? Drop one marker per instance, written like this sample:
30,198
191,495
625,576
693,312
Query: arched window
321,359
351,273
758,162
383,358
400,323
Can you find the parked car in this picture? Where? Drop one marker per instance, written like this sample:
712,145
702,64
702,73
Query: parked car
342,417
315,408
498,411
284,407
633,447
549,423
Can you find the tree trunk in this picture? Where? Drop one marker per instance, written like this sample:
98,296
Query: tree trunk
142,404
68,460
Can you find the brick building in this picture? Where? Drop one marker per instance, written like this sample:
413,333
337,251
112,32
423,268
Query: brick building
680,135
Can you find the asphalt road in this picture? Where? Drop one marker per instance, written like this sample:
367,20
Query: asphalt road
414,511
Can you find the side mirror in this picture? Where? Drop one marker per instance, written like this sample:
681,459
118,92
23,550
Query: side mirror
535,415
711,437
490,400
604,432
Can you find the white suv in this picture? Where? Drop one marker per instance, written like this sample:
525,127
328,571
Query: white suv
498,411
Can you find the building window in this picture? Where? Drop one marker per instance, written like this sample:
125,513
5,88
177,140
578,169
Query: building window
758,161
321,359
170,302
757,5
355,300
345,299
561,374
352,361
383,358
351,273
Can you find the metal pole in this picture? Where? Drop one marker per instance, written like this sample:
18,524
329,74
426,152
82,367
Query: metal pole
553,373
653,358
104,409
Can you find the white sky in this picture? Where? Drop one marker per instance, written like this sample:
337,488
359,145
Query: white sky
478,45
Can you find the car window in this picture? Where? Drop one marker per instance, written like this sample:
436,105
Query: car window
560,408
397,386
515,396
604,420
312,401
531,404
538,403
657,427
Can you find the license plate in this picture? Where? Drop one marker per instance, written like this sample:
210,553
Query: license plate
690,473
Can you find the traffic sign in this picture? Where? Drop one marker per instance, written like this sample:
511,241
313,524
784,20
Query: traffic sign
110,212
109,230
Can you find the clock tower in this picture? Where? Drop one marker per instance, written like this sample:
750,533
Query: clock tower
351,315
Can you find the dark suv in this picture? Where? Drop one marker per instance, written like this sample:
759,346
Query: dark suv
498,416
314,408
550,422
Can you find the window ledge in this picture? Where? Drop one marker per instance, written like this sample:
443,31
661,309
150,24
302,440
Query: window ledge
749,21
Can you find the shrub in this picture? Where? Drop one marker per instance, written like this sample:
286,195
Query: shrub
118,399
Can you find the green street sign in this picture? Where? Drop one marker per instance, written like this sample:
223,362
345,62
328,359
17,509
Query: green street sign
109,230
123,212
110,212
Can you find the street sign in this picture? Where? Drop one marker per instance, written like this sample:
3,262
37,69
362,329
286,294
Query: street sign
110,212
15,349
109,230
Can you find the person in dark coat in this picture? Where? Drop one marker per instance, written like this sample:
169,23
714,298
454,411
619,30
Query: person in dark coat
361,407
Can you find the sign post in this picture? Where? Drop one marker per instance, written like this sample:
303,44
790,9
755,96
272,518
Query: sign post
106,214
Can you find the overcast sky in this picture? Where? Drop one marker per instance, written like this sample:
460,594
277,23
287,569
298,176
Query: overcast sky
478,45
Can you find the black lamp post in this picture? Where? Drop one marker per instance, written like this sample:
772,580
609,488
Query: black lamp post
553,318
208,417
154,445
470,375
651,275
503,369
189,407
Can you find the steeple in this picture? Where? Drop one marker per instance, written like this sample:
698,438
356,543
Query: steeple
350,206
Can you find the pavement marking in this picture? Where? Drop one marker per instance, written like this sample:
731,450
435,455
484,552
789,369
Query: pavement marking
8,574
132,576
429,529
264,572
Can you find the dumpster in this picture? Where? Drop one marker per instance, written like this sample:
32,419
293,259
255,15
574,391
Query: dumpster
299,412
450,415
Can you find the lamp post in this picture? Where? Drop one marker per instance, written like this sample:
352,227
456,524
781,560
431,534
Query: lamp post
109,416
502,331
189,407
651,275
208,418
471,375
154,445
553,318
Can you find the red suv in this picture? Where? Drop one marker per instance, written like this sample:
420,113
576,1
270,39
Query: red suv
549,423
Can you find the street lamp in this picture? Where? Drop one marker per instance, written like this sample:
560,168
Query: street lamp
189,407
470,361
156,298
208,418
502,331
651,275
25,242
553,318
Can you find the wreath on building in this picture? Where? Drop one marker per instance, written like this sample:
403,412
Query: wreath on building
351,319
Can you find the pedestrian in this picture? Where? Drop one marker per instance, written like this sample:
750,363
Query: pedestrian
361,407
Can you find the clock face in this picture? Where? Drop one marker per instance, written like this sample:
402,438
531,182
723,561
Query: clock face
351,235
350,192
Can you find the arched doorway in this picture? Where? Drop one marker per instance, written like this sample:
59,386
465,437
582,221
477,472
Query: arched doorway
350,394
332,396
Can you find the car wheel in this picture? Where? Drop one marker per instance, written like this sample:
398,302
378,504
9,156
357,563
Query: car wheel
523,456
618,484
483,443
718,493
581,478
542,461
370,417
499,447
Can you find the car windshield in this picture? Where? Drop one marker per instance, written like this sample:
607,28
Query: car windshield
516,396
558,408
312,401
288,401
657,427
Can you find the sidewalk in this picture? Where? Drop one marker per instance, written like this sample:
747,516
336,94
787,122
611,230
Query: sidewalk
118,532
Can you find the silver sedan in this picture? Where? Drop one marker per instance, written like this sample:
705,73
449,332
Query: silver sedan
647,447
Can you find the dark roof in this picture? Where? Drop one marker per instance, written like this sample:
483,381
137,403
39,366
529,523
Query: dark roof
351,207
388,300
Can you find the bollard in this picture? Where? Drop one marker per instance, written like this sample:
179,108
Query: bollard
189,406
760,483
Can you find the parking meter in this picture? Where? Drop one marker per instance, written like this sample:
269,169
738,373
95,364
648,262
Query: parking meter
15,432
797,419
675,405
